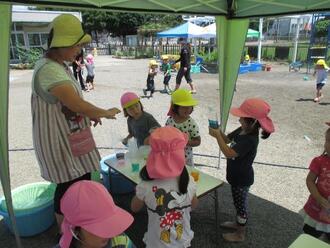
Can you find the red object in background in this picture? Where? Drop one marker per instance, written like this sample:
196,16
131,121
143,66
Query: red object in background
268,67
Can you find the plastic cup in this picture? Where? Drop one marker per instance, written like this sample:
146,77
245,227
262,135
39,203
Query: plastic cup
213,124
135,167
195,175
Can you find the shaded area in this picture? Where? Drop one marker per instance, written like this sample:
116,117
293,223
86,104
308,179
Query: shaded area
269,225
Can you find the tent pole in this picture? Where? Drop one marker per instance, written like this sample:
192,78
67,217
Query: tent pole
296,39
5,30
260,39
231,36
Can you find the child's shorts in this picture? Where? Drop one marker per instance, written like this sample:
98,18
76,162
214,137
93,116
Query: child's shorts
166,80
319,86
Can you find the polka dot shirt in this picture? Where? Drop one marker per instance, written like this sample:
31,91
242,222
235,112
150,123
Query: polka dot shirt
189,127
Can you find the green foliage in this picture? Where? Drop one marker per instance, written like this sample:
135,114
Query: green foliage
268,53
151,29
29,56
209,57
158,23
302,53
322,27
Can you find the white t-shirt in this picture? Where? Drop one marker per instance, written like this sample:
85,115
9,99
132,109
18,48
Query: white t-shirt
321,76
189,127
168,212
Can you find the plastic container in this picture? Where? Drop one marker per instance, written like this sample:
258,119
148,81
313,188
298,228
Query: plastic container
195,69
255,66
33,207
120,185
243,69
213,119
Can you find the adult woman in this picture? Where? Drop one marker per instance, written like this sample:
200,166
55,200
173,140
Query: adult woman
62,139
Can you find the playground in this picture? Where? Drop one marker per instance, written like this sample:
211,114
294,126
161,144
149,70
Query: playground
280,167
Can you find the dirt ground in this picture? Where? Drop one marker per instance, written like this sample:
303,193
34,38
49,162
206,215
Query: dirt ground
279,191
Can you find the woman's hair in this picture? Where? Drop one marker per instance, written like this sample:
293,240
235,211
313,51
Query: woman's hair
254,127
183,180
175,109
127,115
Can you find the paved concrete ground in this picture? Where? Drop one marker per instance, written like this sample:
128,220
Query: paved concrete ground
280,166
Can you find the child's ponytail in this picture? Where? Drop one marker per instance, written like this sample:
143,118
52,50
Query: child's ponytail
255,126
183,181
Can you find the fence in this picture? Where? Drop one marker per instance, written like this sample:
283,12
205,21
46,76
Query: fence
268,52
146,51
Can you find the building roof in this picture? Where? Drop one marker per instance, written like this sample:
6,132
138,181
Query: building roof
26,15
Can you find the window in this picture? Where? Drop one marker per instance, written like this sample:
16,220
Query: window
16,39
36,40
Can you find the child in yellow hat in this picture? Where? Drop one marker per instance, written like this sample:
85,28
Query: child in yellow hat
182,105
321,72
152,72
166,68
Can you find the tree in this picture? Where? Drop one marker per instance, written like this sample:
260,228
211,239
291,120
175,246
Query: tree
322,27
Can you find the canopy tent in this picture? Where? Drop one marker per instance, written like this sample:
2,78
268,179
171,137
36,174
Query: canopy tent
187,30
210,31
232,25
252,33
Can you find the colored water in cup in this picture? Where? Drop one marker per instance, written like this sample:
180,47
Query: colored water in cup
195,175
135,167
213,124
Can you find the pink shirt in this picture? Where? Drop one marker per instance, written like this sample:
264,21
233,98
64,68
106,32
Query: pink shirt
320,166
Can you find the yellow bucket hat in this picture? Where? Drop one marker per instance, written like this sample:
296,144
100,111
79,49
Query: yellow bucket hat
247,57
322,62
165,57
153,62
67,32
183,97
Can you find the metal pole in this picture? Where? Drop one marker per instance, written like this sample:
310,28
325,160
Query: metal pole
259,40
296,41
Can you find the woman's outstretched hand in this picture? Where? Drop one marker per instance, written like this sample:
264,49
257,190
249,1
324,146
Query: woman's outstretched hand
214,132
112,113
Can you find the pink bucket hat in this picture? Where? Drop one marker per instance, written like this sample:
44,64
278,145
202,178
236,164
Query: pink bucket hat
90,58
128,99
89,205
166,158
258,109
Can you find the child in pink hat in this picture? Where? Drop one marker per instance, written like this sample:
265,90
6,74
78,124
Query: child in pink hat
240,149
140,123
167,190
91,217
316,211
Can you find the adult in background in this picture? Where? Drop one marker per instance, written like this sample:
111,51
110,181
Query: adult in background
184,70
62,138
77,68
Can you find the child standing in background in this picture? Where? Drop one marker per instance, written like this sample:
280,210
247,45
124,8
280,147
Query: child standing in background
152,72
166,68
167,190
321,72
182,105
316,212
90,71
140,123
77,68
240,149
